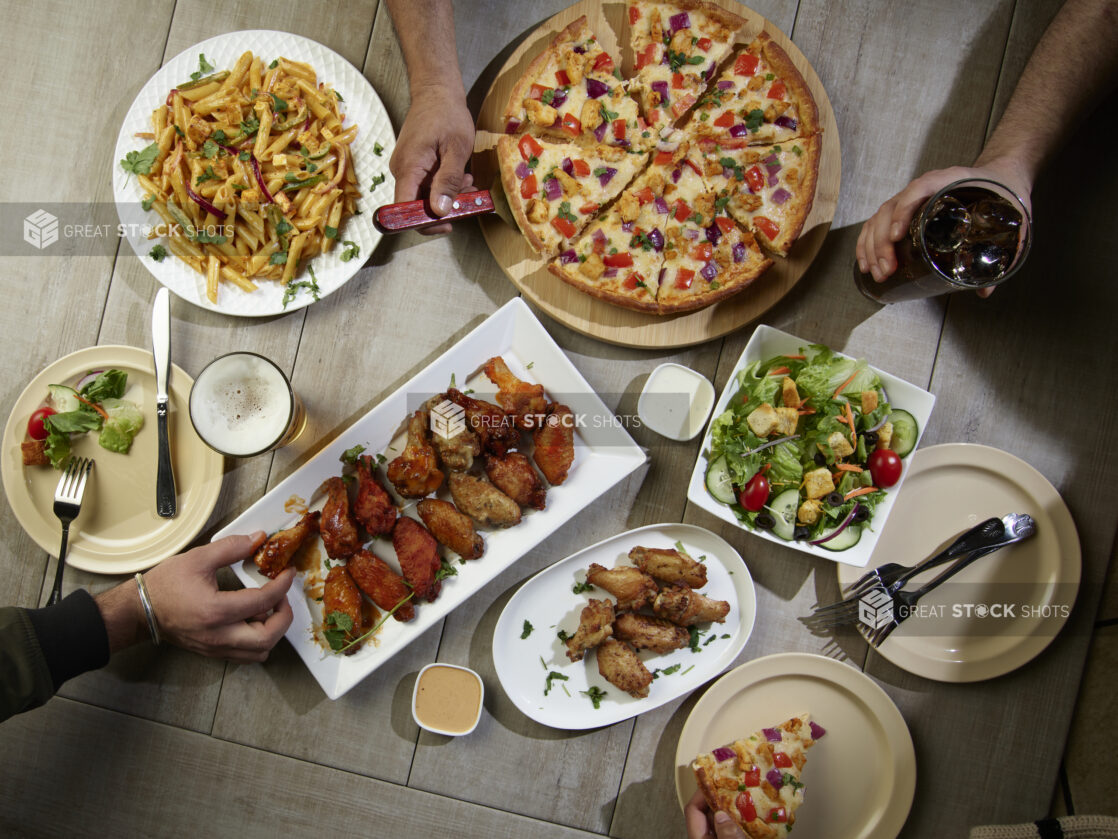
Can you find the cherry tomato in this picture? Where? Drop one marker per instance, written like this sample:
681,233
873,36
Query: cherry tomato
35,428
755,493
885,467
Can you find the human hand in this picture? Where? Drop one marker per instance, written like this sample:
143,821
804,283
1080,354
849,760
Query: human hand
874,250
697,813
195,614
435,144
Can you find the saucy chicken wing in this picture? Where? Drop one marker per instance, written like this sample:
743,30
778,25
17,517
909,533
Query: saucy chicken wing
341,596
620,665
685,607
373,508
554,444
384,586
670,566
493,426
456,452
451,528
515,476
520,399
415,473
418,555
631,586
478,498
645,633
339,530
275,554
594,626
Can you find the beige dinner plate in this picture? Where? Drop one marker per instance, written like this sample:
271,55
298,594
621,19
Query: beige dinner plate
1004,609
860,776
118,530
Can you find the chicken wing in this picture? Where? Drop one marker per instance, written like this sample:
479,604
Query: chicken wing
276,553
620,665
670,566
645,633
631,586
594,626
384,586
554,444
457,452
340,596
373,508
493,426
339,530
520,399
478,498
418,555
515,476
415,473
685,607
451,528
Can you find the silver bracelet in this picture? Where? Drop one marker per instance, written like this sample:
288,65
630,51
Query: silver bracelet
149,612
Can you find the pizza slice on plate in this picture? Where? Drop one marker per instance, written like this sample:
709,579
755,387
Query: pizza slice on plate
769,189
677,48
618,259
572,90
555,189
757,780
760,98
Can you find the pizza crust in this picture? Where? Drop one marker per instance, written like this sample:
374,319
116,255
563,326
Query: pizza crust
782,65
508,158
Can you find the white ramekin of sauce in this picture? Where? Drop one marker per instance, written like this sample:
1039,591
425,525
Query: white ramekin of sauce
447,699
675,401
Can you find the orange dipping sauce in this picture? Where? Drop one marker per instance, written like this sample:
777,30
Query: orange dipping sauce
447,699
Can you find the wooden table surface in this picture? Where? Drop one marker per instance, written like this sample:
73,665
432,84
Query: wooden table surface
169,743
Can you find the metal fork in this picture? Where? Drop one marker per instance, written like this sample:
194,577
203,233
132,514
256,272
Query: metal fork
67,505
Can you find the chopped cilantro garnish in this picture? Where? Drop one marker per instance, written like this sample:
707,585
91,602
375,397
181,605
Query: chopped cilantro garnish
352,249
445,570
158,253
694,642
754,119
278,105
579,588
562,635
310,285
527,630
595,695
140,162
378,149
244,156
565,211
350,455
668,671
331,232
204,67
336,626
147,202
208,175
278,258
552,675
378,180
769,77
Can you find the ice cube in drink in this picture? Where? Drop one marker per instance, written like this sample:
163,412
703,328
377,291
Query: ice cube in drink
947,226
980,262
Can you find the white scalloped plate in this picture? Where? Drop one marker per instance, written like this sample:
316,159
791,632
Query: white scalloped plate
362,106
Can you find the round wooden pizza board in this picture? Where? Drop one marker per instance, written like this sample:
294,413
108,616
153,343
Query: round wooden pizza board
605,321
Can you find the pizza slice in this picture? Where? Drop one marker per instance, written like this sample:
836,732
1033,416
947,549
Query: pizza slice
769,189
677,47
555,189
572,90
618,259
707,255
760,98
757,781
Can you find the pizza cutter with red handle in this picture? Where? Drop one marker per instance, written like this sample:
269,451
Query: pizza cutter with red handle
415,215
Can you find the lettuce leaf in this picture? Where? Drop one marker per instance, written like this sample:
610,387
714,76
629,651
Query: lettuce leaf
110,384
124,422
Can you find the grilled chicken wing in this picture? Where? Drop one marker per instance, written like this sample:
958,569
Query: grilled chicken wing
478,498
451,528
493,426
631,586
418,555
340,595
457,452
373,508
594,626
275,554
384,586
670,566
517,397
515,476
415,473
645,633
339,530
554,444
620,665
685,607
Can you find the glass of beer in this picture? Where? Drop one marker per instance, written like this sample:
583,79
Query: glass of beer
971,234
242,405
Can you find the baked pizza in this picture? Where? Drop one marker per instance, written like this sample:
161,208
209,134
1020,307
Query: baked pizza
757,781
555,189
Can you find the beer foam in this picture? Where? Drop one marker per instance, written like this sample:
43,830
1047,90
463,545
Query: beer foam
240,404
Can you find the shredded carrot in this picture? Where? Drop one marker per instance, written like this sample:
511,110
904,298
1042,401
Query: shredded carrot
844,384
779,371
795,357
803,412
766,468
854,493
93,405
848,467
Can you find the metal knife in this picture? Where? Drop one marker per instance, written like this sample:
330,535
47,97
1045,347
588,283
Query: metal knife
166,503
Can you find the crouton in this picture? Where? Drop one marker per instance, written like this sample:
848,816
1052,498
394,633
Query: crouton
809,511
818,482
839,444
786,419
869,401
885,436
762,420
789,393
34,453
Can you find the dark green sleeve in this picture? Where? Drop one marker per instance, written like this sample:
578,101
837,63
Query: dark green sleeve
25,680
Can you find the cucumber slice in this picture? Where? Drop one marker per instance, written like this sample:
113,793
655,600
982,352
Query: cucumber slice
63,398
784,508
844,541
718,480
905,432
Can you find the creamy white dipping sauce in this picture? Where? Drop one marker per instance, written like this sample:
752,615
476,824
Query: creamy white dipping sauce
676,401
